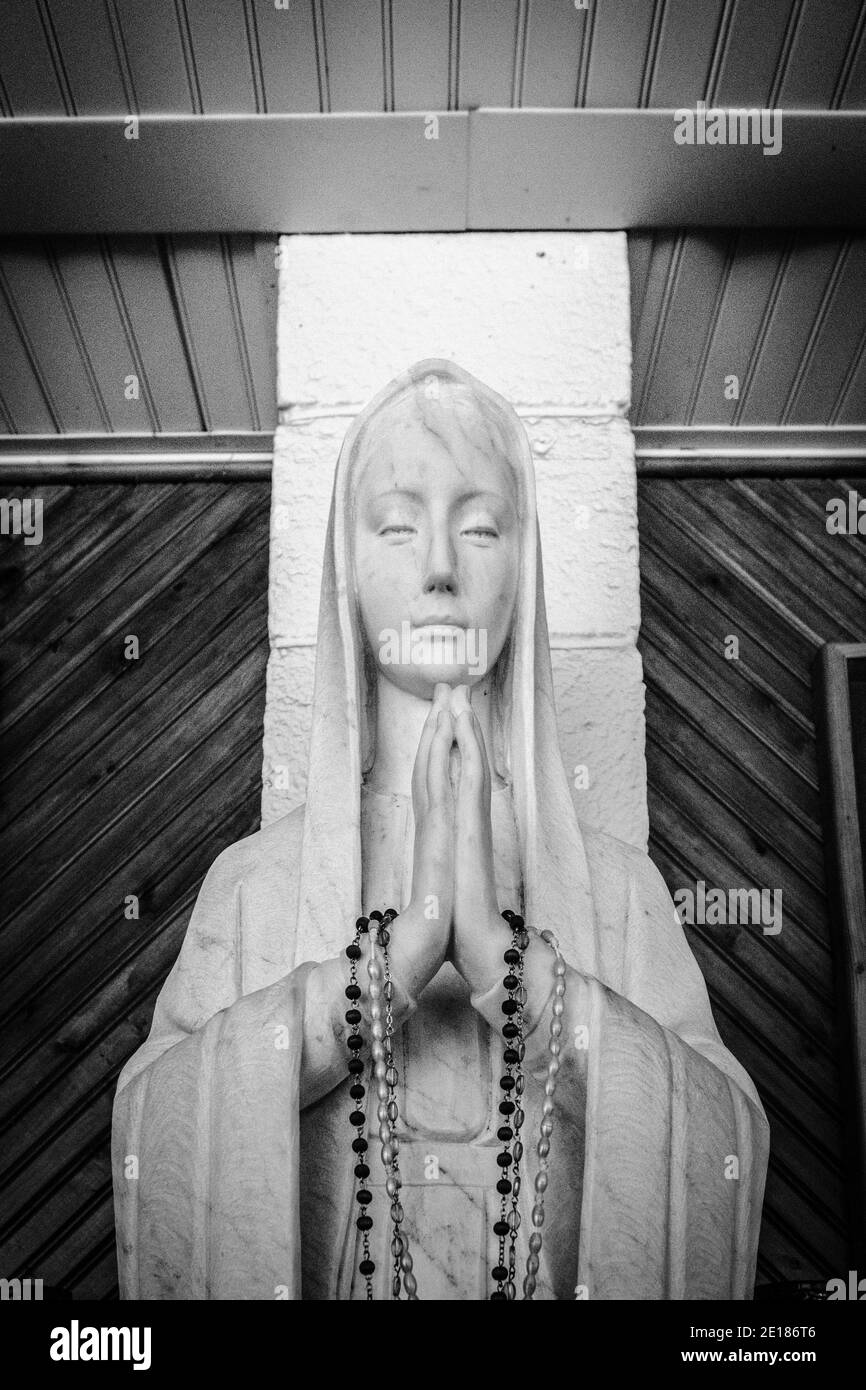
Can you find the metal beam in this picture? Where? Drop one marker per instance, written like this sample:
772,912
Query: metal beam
709,451
437,171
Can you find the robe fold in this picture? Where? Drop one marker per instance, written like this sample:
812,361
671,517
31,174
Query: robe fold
227,1185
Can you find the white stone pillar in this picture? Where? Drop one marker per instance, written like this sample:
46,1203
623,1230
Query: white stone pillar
543,318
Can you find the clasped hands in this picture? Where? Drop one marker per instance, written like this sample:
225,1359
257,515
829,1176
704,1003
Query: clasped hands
453,911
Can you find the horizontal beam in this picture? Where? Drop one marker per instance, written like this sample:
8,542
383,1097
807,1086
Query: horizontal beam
661,452
402,172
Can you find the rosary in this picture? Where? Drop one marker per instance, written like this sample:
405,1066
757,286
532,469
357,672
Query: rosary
512,1084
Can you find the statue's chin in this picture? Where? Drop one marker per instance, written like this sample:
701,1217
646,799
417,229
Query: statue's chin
421,680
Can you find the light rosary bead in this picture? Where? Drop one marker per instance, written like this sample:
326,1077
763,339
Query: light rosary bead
538,1216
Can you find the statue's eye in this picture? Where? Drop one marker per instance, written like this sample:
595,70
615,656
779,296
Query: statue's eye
481,531
397,528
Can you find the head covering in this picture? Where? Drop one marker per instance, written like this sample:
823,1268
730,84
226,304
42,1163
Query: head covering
556,887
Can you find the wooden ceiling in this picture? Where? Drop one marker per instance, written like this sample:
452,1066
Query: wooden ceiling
98,57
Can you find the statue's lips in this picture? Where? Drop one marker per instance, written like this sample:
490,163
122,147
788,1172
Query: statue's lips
444,626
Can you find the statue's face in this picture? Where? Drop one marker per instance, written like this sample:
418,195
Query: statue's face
436,548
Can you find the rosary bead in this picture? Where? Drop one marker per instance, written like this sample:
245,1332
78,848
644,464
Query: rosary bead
507,1083
559,967
384,1133
556,1028
517,1150
353,1016
532,1264
362,1171
500,1228
546,1127
500,1273
513,1220
389,1153
376,916
507,914
388,990
391,1076
515,921
538,1216
520,1084
362,924
384,936
364,1223
355,1043
522,940
374,970
503,1186
511,956
554,1047
353,951
397,1245
505,1134
553,1065
396,1213
506,1107
541,1181
559,987
510,1056
381,1069
521,1051
528,1286
516,1181
383,1093
522,996
504,1160
510,1030
392,1184
353,991
392,1111
378,1029
357,1118
406,1262
359,1145
497,1297
410,1285
510,1006
547,1106
367,1267
534,1243
390,914
557,1008
550,1086
382,1111
519,1117
543,1148
510,1291
356,1066
363,1196
357,1092
511,982
395,1286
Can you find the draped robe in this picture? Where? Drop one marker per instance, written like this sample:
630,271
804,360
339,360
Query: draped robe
660,1143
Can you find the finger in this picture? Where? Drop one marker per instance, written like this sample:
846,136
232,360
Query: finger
471,755
422,757
438,781
482,746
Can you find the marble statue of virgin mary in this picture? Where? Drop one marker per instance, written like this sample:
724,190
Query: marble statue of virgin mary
436,787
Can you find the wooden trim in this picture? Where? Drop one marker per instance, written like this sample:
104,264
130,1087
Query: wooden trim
709,451
382,172
846,878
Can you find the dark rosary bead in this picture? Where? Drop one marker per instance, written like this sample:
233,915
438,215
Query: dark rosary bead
511,982
364,1223
353,951
357,1092
510,1056
511,957
510,1030
505,1133
506,1107
359,1145
384,937
500,1273
356,1066
504,1160
510,1006
499,1298
364,1198
523,940
353,1016
375,916
390,914
507,1083
362,924
366,1267
501,1228
357,1118
353,991
362,1170
503,1186
355,1043
515,921
508,914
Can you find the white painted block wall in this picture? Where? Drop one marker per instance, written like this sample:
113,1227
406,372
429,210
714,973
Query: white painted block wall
543,318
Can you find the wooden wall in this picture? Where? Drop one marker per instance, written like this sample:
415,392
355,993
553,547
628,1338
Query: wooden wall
119,777
734,800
